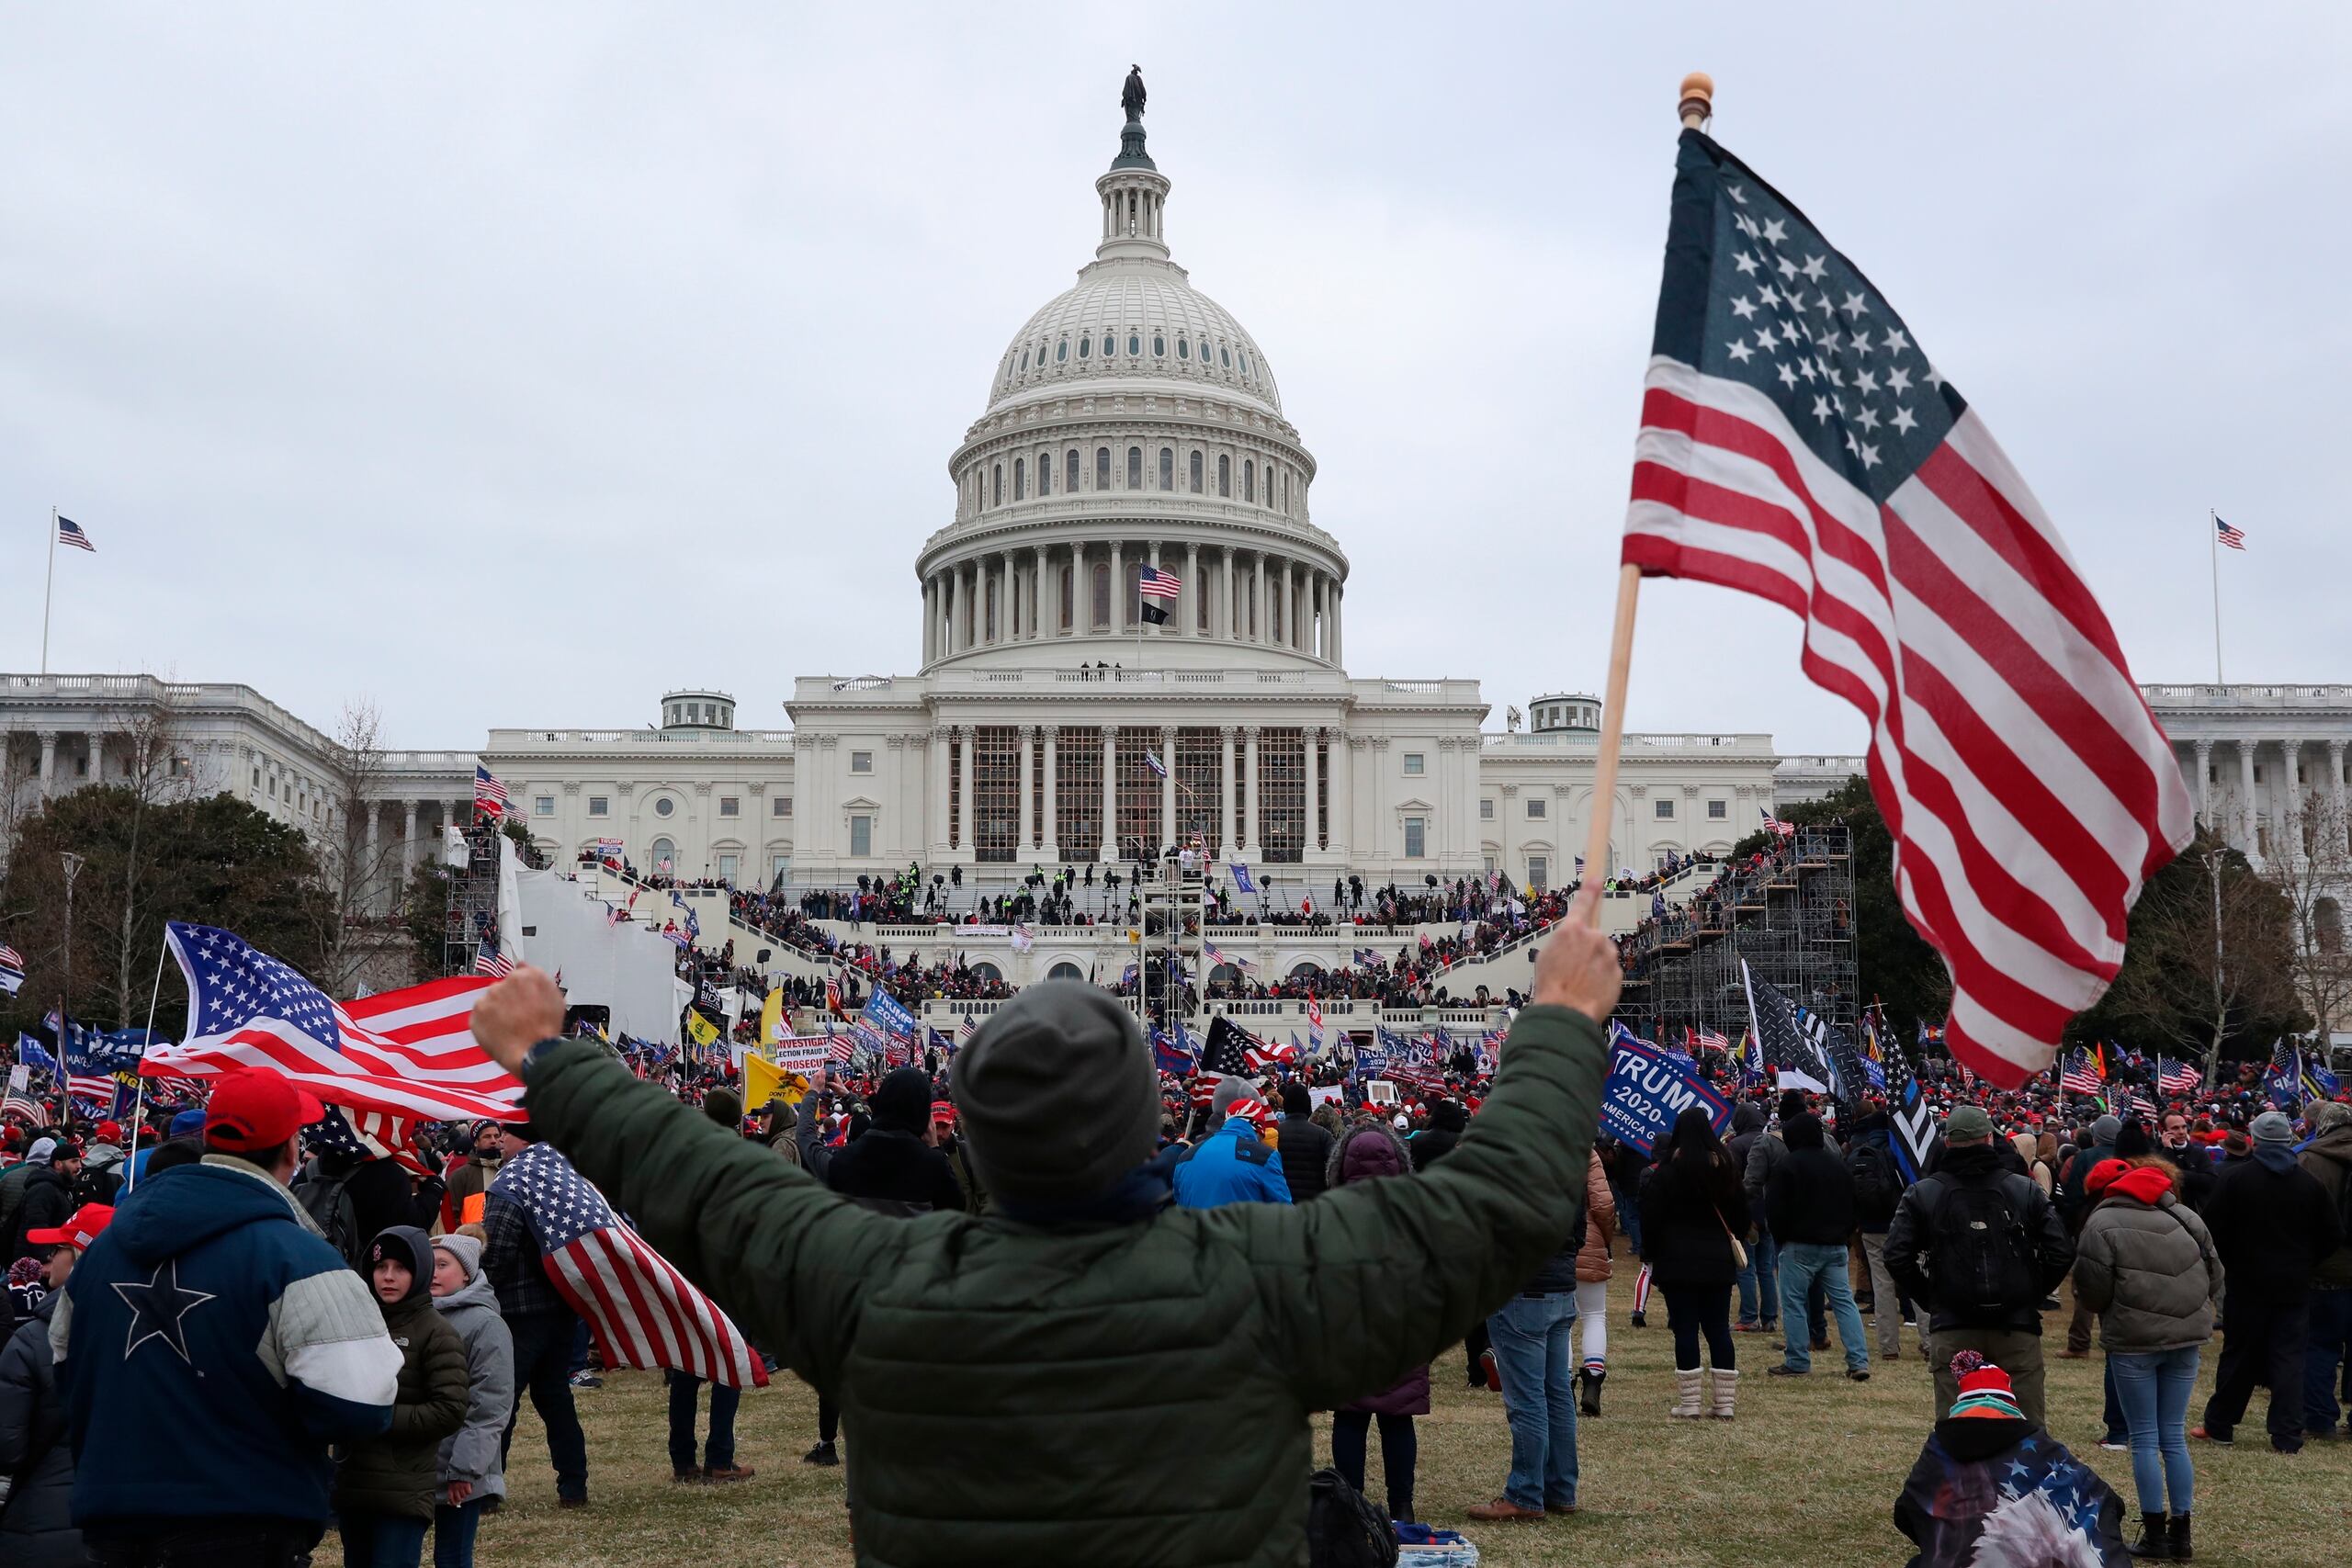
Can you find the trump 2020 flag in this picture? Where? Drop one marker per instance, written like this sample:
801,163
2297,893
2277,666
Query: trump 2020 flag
1797,445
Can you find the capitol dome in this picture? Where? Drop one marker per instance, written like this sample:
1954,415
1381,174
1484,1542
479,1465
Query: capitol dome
1133,490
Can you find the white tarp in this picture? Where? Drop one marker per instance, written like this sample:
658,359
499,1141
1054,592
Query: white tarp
623,967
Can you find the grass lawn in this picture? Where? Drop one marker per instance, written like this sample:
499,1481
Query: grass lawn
1812,1466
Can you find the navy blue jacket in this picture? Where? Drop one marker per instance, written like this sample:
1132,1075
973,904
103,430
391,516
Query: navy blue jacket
210,1345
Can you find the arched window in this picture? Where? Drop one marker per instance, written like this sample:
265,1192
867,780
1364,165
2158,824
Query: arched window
1069,591
1085,348
1061,351
1192,471
1159,346
665,858
1045,473
1110,345
1225,475
1101,595
1134,345
1020,478
991,971
1286,490
1070,471
1248,479
1101,468
1223,357
1135,467
998,500
1306,969
1184,349
1168,467
1065,970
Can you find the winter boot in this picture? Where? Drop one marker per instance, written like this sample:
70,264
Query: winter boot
2155,1539
1726,1388
1686,1391
1593,1378
2178,1536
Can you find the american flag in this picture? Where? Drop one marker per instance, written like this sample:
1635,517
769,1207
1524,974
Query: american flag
1775,826
12,970
1314,1013
645,1313
19,1100
409,1053
2077,1076
1798,445
1154,583
2177,1077
971,1027
839,1048
92,1089
489,961
70,533
490,795
1713,1040
2232,538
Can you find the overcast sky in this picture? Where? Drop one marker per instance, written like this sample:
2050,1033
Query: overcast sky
509,364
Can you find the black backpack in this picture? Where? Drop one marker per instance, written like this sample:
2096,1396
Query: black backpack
1980,1260
1344,1528
327,1200
1877,1187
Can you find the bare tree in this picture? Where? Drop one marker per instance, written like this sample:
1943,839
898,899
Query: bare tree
2312,867
360,870
19,796
156,769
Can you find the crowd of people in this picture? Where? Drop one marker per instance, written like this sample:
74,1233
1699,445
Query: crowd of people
2193,1212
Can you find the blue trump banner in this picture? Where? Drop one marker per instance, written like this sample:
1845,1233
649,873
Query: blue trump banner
887,1013
1647,1089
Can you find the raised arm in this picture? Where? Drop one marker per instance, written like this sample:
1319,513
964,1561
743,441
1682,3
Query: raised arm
1376,1278
785,1259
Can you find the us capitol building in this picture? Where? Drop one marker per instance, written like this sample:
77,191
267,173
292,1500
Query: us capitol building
1133,438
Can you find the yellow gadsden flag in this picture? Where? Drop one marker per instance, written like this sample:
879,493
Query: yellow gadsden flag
764,1081
700,1030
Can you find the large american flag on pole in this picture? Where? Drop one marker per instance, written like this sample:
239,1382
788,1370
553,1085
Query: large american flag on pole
645,1313
1797,445
408,1054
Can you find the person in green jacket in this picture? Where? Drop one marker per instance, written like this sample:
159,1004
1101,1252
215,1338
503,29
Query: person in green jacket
1038,1384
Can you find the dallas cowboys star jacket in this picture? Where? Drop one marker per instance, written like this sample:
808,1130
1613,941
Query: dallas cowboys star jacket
210,1347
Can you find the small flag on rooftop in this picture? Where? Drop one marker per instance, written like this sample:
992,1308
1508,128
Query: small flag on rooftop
2232,538
70,533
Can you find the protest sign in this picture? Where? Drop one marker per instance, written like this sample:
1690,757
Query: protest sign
1326,1094
1647,1089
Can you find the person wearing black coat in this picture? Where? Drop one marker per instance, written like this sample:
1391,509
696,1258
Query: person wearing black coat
1447,1121
1809,1203
1305,1148
1692,1206
2272,1222
47,1201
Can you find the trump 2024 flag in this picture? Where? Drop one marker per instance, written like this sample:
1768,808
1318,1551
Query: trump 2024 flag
1798,444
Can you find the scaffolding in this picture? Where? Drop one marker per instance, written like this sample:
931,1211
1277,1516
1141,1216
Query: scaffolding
1168,956
1790,923
473,902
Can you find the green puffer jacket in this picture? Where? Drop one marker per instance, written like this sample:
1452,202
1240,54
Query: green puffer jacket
1115,1392
399,1472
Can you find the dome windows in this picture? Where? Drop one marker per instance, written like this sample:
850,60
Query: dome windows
1085,348
1168,467
1224,359
1134,345
1101,468
1110,345
1248,479
1024,362
1045,473
1192,471
1225,476
1020,478
1159,346
1061,351
1245,361
1070,472
1135,467
1184,349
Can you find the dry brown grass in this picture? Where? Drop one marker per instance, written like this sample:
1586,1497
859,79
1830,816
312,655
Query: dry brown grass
1809,1472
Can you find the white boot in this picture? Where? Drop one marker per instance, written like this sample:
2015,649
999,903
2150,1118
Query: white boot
1686,1389
1726,1388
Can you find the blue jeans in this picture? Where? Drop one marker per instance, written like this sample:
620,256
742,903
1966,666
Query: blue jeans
1530,1339
1760,1280
382,1540
453,1534
2323,1353
1803,1265
2154,1388
719,1452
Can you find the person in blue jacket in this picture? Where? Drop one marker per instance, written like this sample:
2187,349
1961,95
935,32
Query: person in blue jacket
1232,1165
212,1345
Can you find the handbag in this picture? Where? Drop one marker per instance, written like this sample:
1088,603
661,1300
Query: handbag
1738,1248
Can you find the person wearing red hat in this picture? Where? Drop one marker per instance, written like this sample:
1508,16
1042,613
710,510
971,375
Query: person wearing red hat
210,1297
36,1522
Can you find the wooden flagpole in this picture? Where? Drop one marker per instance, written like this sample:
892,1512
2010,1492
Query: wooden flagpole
1696,105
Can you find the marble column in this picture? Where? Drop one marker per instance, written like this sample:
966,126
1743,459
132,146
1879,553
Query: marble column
1258,611
1313,740
937,794
1053,810
2204,750
2290,810
964,793
1119,613
2336,825
930,617
1189,621
1338,619
368,868
1040,607
1108,850
1253,827
408,842
48,763
1027,735
1225,794
1170,608
2246,804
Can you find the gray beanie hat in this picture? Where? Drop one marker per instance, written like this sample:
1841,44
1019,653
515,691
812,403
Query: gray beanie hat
464,1249
1058,1094
1230,1090
2272,1127
2106,1130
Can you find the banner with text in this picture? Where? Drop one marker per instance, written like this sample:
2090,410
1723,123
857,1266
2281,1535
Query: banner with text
1647,1089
